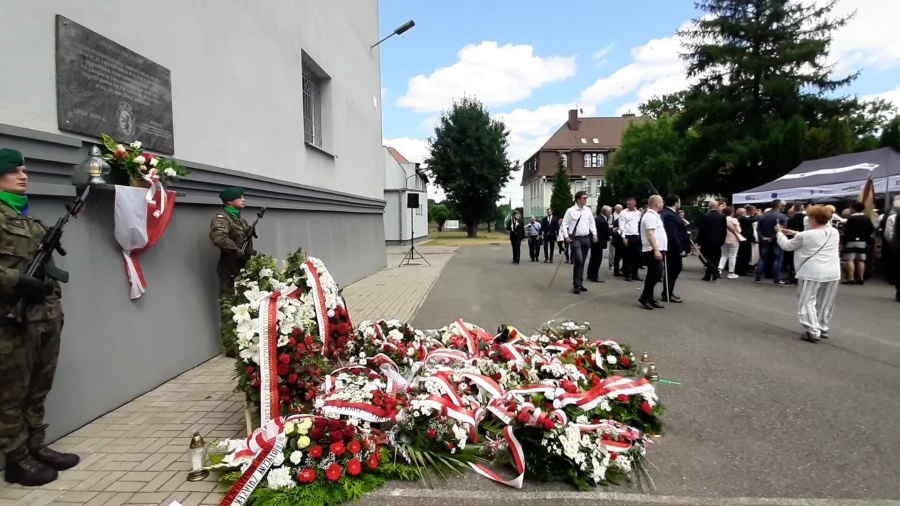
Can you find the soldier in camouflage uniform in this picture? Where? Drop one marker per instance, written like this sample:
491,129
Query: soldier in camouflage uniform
227,231
28,349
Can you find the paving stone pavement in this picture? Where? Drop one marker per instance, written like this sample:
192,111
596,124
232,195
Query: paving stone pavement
137,454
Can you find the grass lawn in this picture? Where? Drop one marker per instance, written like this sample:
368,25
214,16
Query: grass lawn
458,238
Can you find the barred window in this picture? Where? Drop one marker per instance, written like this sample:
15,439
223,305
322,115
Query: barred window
312,107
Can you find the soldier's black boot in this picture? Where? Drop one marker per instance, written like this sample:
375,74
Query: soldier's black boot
53,459
29,472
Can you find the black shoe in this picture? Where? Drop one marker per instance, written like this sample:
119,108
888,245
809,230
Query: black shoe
582,288
637,279
576,291
646,305
54,459
628,278
656,304
29,472
673,298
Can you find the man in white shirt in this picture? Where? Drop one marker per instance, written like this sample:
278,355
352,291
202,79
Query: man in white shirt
631,240
579,230
654,243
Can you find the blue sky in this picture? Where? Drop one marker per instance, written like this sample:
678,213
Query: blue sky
529,63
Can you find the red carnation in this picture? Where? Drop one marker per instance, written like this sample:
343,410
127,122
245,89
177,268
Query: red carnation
354,467
548,424
354,447
337,449
342,329
373,461
646,408
250,369
295,332
315,452
523,417
432,434
284,392
284,358
336,436
622,398
283,369
333,472
293,378
320,422
349,433
334,424
306,476
316,434
624,361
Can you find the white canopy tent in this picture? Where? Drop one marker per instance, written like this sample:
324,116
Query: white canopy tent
841,176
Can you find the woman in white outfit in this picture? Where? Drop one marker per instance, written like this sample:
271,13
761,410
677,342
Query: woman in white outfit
733,240
818,267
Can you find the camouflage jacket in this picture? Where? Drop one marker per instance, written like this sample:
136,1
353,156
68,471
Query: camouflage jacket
20,238
227,233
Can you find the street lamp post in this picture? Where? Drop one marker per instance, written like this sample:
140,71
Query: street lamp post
400,30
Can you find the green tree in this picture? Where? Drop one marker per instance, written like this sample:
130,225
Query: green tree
890,136
469,160
561,194
671,104
438,213
757,64
651,151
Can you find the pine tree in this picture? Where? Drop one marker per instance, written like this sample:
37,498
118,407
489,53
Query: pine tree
757,65
561,196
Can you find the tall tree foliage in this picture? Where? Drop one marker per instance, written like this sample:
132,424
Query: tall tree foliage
561,194
651,151
469,160
757,64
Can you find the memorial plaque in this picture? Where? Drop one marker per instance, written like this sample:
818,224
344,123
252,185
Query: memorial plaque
103,87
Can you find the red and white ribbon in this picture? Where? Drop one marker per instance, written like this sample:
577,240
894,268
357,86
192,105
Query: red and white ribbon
242,489
518,460
318,296
270,406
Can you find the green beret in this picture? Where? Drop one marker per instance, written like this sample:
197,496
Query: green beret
10,159
229,194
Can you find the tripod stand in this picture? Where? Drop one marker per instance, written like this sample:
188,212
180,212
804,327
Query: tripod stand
411,254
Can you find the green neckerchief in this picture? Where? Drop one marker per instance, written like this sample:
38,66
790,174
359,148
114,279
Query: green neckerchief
233,211
19,203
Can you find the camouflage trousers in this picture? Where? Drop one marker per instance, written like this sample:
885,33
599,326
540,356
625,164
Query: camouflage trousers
28,357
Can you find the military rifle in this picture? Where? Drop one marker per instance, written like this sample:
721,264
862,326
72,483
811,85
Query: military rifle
251,234
41,266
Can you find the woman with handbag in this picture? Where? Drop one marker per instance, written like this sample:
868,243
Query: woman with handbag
818,267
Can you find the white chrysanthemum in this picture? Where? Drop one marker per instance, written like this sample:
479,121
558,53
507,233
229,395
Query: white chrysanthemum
280,477
296,457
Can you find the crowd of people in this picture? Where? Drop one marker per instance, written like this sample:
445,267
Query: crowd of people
812,247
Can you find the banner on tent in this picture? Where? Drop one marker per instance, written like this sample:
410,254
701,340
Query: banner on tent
846,189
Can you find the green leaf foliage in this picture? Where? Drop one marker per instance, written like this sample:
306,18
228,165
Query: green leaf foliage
469,160
651,152
561,195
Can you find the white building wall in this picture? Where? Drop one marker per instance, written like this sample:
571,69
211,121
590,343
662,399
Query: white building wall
236,70
400,180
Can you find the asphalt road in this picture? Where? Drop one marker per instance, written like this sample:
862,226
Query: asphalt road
759,417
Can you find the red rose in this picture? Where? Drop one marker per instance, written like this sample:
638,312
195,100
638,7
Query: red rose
336,436
292,379
334,424
450,447
250,369
320,422
354,447
283,369
349,433
333,472
306,476
295,332
646,408
373,461
613,456
315,452
523,417
284,392
432,434
316,434
354,467
337,449
284,358
624,361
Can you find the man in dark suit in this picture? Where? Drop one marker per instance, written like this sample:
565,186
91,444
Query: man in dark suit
516,228
603,232
745,249
676,230
711,236
549,230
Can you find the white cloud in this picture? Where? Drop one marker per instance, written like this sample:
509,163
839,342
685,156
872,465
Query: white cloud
496,75
892,96
599,56
869,41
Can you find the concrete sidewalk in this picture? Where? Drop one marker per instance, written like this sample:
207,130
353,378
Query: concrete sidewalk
137,454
